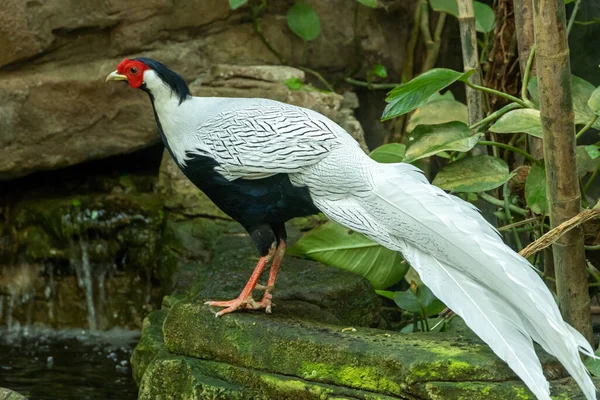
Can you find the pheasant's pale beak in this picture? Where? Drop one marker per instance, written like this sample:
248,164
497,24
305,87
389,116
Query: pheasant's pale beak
115,76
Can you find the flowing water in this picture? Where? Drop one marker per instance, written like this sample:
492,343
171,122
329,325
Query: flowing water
68,364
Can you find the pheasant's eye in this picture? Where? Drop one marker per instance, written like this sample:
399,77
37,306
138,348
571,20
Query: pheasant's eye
133,70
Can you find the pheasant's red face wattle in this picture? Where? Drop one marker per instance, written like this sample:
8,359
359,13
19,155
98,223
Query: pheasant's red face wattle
134,71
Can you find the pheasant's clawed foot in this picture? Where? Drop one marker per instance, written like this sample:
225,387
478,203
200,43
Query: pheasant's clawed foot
247,303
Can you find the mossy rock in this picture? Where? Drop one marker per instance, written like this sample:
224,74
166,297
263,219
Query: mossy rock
7,394
250,355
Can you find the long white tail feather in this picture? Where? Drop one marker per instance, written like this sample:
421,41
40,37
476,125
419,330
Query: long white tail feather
488,315
466,264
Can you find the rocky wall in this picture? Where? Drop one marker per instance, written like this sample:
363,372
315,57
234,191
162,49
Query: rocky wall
55,109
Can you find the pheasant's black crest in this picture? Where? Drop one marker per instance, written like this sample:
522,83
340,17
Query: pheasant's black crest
171,78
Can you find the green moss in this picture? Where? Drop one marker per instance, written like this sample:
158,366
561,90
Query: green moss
367,378
442,370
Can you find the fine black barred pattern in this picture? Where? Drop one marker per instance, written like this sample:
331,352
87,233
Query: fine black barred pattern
258,142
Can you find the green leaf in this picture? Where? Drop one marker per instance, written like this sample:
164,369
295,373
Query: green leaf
569,1
438,111
585,163
594,101
526,120
75,202
431,304
535,189
304,21
369,3
334,245
379,71
581,90
423,302
484,14
593,151
389,153
593,365
408,301
410,95
235,4
386,293
427,140
473,174
294,83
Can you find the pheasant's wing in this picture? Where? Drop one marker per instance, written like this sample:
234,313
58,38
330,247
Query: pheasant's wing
257,139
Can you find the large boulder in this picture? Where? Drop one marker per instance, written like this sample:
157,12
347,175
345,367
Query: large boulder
185,352
55,109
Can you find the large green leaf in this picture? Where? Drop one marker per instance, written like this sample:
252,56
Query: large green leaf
235,4
334,245
422,302
594,101
585,163
535,189
410,95
438,110
473,174
427,140
581,91
526,120
304,21
484,14
389,153
369,3
593,364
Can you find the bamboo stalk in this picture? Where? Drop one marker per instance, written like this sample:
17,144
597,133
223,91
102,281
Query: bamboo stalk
525,41
468,39
556,107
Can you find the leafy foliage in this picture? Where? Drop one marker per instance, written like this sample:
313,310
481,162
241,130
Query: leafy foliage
484,15
335,245
369,3
427,140
304,21
415,93
389,153
526,120
473,174
235,4
535,189
438,110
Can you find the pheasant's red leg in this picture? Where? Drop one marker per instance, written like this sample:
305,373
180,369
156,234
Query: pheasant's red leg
245,299
266,300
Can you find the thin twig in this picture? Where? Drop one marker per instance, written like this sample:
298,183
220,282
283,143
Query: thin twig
554,234
587,126
498,93
518,223
492,200
495,115
384,86
589,182
508,215
526,75
573,15
508,147
408,69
